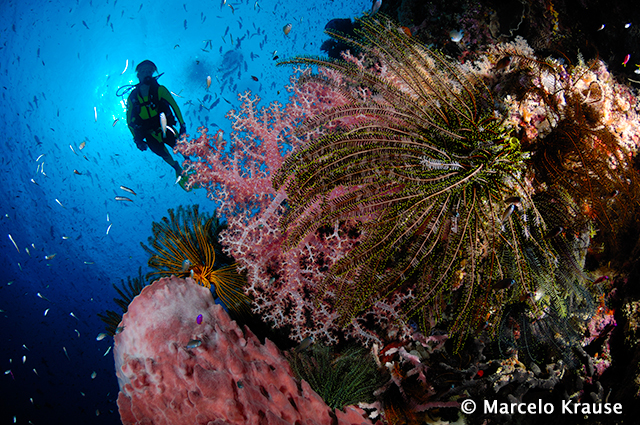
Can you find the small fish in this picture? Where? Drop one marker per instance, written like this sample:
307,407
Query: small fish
126,65
163,123
38,158
77,172
123,198
65,238
59,203
109,228
89,262
199,319
554,232
65,353
194,343
126,189
503,284
208,81
601,28
186,265
101,336
95,113
119,330
456,35
376,6
306,343
73,315
93,375
177,180
46,311
513,200
115,122
254,78
626,59
287,29
24,359
78,332
503,63
25,347
43,297
34,182
82,145
50,256
14,243
35,371
106,352
510,209
600,279
73,150
627,25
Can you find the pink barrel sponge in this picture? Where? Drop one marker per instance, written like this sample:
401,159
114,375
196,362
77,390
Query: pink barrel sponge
172,370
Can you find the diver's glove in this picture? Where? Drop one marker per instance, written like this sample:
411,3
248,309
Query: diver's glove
140,144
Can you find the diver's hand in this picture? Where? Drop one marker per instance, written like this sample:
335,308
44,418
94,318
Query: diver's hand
141,145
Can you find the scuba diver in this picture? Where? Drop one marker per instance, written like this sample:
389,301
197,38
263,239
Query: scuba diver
150,119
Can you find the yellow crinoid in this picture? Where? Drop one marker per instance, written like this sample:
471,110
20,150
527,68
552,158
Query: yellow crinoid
186,245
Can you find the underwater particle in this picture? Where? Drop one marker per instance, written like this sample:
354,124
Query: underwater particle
287,29
199,319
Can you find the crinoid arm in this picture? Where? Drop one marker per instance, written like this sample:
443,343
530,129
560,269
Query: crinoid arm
427,166
186,245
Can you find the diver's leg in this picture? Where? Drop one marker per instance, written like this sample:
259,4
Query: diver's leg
157,147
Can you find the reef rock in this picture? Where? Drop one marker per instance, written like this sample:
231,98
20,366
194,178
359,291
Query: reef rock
172,370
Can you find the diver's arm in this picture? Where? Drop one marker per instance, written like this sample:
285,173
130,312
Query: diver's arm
163,93
129,112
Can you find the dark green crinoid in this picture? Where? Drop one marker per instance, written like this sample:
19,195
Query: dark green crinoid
343,379
437,182
127,292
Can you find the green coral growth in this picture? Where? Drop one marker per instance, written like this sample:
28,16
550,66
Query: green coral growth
342,379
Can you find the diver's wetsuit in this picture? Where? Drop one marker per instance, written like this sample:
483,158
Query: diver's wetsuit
143,117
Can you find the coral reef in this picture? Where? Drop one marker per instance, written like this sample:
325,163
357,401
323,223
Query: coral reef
281,282
172,370
186,244
439,188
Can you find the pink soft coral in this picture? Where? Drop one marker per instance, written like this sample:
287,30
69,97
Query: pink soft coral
282,282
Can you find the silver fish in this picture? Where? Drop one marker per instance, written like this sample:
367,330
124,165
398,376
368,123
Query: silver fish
194,343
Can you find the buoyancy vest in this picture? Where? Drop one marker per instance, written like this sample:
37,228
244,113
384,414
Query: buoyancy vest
154,106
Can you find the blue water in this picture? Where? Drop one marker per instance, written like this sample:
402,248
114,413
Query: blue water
61,63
